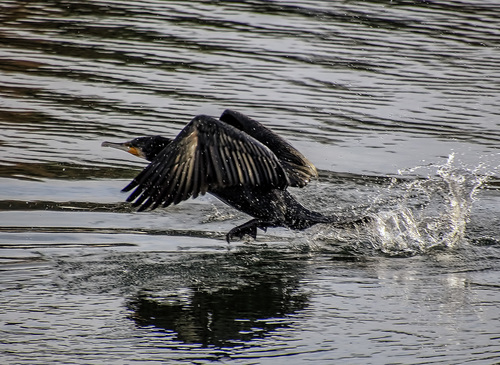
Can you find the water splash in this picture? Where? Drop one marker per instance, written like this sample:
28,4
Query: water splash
419,214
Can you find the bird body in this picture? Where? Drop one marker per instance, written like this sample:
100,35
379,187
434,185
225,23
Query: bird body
236,159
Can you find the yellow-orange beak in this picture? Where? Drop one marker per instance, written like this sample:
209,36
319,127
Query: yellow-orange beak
125,147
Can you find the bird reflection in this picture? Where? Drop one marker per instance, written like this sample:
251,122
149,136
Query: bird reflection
241,302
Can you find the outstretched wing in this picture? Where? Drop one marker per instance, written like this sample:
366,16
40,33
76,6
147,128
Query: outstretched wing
298,168
207,155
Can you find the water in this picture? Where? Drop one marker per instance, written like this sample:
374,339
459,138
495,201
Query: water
396,103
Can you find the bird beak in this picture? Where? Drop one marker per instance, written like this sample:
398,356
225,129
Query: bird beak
124,147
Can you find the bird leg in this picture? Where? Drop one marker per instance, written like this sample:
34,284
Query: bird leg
249,228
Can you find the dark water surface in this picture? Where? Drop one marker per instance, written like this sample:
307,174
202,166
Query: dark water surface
397,104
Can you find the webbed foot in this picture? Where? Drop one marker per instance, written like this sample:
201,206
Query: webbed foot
247,229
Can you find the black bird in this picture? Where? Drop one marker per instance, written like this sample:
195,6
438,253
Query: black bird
235,158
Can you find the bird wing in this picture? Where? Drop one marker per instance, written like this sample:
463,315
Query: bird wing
298,168
207,155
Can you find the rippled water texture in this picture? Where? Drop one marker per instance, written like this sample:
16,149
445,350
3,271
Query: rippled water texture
395,102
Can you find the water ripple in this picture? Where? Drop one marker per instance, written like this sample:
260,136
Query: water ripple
364,88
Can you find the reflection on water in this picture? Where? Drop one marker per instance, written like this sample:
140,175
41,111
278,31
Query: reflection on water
254,303
376,94
216,309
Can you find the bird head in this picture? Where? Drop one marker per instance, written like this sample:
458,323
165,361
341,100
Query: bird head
143,147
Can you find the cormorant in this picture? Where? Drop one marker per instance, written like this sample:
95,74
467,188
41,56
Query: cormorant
235,158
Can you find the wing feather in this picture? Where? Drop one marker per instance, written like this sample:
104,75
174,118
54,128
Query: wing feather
298,168
207,155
